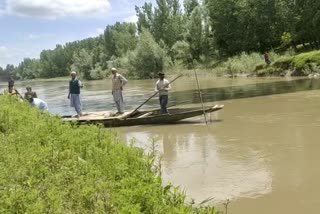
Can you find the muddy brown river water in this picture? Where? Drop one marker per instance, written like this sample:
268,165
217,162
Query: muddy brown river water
261,151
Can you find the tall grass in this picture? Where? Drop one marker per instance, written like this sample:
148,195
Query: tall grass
48,166
241,64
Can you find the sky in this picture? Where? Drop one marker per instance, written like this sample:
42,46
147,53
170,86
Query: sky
29,26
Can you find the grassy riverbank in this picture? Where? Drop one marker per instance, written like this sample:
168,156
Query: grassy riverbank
51,167
302,64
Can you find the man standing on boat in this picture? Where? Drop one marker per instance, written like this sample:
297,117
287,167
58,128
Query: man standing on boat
118,82
74,93
163,86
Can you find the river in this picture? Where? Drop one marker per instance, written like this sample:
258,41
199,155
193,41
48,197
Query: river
261,151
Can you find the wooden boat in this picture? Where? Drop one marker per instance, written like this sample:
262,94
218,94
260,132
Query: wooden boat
109,119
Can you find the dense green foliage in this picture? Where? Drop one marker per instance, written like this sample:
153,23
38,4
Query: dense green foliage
48,166
194,33
148,58
301,64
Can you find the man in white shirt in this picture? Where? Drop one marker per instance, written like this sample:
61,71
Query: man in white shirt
40,104
163,86
118,82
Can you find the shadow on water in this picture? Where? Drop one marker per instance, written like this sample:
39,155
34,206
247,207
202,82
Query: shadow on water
245,91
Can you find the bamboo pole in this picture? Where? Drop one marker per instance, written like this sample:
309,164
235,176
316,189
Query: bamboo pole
200,95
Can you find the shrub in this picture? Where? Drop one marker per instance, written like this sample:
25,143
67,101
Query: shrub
283,62
301,60
242,64
260,66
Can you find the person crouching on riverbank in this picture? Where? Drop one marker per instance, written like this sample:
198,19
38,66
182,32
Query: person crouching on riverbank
267,58
38,103
74,93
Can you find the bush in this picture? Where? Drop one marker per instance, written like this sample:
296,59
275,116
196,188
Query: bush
242,64
182,53
283,62
260,66
301,60
48,166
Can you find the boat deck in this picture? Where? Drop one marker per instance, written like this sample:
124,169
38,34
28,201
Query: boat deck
99,115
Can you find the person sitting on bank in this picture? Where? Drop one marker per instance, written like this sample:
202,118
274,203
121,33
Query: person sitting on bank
74,93
38,103
12,91
163,86
267,58
30,93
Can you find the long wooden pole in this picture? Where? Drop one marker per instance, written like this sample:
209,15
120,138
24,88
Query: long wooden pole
200,95
153,96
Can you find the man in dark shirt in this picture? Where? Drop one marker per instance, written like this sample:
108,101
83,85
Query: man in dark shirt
74,93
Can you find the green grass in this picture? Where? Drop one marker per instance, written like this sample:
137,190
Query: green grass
302,60
48,166
243,64
253,64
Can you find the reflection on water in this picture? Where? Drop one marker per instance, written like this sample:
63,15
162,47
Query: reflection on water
195,160
262,153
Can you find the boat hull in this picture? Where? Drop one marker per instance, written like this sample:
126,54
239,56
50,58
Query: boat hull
145,117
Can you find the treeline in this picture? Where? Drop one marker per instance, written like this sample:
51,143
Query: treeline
197,33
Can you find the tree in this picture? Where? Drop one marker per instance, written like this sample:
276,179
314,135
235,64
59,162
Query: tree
119,38
148,58
225,22
182,52
82,63
54,63
195,32
29,69
165,21
145,16
189,6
